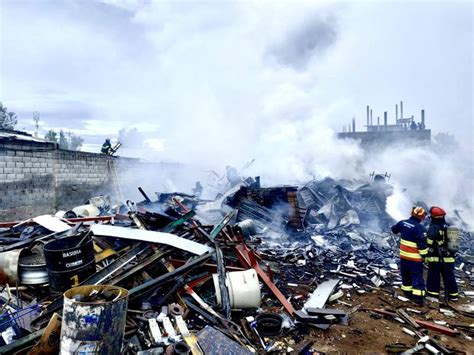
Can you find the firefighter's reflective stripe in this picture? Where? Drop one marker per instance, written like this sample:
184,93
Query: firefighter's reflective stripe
431,241
410,256
408,243
409,251
454,294
417,292
435,259
406,288
433,293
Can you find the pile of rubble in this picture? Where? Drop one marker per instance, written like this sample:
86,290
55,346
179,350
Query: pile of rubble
255,270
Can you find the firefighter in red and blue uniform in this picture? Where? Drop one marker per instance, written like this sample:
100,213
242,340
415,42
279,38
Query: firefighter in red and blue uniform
438,248
413,249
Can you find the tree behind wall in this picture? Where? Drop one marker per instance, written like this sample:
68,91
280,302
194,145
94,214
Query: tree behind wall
8,120
51,136
66,140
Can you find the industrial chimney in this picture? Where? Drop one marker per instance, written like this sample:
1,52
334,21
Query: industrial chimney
422,119
353,124
368,109
385,118
401,109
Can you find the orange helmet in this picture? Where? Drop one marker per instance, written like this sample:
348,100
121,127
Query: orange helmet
437,212
418,212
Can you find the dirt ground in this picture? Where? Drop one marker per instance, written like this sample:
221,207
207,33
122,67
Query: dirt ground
366,334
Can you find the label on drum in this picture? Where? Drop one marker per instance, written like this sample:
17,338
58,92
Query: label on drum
74,264
71,253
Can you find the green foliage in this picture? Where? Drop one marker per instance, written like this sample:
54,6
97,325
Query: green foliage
63,142
51,136
66,140
8,120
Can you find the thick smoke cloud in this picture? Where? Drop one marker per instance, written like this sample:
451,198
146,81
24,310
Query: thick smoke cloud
218,83
312,38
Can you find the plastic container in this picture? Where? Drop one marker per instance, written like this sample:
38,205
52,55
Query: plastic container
453,239
86,211
243,287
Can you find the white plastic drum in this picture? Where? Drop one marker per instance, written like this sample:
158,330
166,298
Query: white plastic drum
243,287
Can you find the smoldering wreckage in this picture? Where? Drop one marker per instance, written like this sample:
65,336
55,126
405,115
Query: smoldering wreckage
285,269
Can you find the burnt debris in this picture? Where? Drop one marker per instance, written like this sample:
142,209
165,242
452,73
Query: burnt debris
258,269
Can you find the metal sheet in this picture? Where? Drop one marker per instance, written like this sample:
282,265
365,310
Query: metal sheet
320,296
151,237
51,223
213,341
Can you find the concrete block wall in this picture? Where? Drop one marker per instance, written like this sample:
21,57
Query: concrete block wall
79,176
26,175
37,178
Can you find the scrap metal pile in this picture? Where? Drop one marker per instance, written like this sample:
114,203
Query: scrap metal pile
256,270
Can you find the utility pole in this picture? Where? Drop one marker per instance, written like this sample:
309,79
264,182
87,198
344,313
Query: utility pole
36,118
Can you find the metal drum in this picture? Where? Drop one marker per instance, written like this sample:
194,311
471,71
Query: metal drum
69,261
94,320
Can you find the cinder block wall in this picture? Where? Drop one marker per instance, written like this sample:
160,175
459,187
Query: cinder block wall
26,179
79,176
37,178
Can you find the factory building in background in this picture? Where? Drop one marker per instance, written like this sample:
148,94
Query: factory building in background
405,130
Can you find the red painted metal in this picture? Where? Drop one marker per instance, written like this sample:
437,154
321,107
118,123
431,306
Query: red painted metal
71,220
425,324
248,259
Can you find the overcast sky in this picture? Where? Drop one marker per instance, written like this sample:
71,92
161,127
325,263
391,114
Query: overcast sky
216,78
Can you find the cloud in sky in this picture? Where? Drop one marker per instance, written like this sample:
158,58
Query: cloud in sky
223,82
216,77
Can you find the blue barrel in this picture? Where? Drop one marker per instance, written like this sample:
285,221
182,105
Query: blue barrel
94,320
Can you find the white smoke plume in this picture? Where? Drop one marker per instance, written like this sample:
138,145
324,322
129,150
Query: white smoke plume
210,84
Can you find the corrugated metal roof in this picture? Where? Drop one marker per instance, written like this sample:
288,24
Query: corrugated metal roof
18,136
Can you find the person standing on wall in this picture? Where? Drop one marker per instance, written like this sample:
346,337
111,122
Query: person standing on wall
413,249
440,259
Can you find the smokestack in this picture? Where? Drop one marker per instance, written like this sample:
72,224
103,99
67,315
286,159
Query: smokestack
401,109
385,118
368,117
353,124
396,113
422,119
371,116
378,123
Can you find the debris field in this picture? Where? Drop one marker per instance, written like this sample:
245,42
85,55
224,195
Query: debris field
283,269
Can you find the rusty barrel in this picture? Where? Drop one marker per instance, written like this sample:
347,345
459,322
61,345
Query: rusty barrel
69,261
93,319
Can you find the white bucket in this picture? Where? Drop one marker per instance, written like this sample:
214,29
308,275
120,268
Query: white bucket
243,287
86,211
